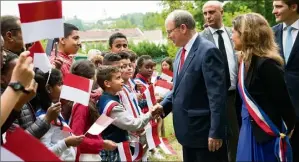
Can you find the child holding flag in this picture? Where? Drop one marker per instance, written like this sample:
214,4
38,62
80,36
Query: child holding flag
109,79
83,117
58,139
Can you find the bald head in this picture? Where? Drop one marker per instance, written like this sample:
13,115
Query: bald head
213,12
216,4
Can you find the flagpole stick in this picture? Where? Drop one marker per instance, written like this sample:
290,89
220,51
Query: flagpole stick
56,49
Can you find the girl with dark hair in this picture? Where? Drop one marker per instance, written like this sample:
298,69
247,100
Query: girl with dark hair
167,64
82,117
48,92
144,71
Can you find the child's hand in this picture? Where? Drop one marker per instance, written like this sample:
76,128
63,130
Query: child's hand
159,98
138,86
109,145
139,96
53,112
156,111
73,140
57,63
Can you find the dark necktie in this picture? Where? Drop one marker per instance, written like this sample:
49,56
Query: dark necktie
182,59
222,49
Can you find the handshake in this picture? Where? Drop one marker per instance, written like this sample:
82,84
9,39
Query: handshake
156,111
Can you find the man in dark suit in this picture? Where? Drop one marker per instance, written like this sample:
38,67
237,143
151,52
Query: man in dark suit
198,99
287,14
221,37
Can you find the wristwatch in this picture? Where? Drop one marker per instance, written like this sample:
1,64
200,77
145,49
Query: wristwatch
17,86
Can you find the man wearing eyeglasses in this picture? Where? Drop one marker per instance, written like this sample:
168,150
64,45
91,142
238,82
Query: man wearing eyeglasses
12,34
198,98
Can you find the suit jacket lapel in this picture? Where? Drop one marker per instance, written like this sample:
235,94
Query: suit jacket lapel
278,37
187,61
208,35
295,49
176,67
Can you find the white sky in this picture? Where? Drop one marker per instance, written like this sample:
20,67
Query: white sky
91,10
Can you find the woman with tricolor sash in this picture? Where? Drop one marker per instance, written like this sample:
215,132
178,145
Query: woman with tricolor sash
268,117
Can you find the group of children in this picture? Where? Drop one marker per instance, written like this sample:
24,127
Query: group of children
120,98
116,93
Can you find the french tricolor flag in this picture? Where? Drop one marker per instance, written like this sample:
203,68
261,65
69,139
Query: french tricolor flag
40,58
162,87
20,146
41,20
166,75
101,124
150,96
76,88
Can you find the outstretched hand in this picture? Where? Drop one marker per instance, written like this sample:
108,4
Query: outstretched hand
157,111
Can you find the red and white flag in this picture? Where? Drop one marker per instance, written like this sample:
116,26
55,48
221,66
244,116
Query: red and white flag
41,20
166,75
166,147
76,88
152,136
162,87
150,96
125,151
138,151
154,77
40,58
20,146
101,124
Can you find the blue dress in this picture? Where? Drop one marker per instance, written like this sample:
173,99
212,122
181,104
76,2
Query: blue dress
248,148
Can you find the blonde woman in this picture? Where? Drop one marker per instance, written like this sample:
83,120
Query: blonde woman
266,103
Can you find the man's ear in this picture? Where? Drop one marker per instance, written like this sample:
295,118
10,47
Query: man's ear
62,41
107,83
9,36
294,7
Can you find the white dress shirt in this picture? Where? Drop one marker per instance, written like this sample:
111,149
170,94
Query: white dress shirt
189,45
231,58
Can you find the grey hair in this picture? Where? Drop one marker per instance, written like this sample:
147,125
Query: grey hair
182,17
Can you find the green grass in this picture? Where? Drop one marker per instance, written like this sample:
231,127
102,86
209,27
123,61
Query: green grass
169,133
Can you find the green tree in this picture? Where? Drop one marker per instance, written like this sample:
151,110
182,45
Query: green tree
229,16
153,21
171,49
77,22
170,5
264,7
